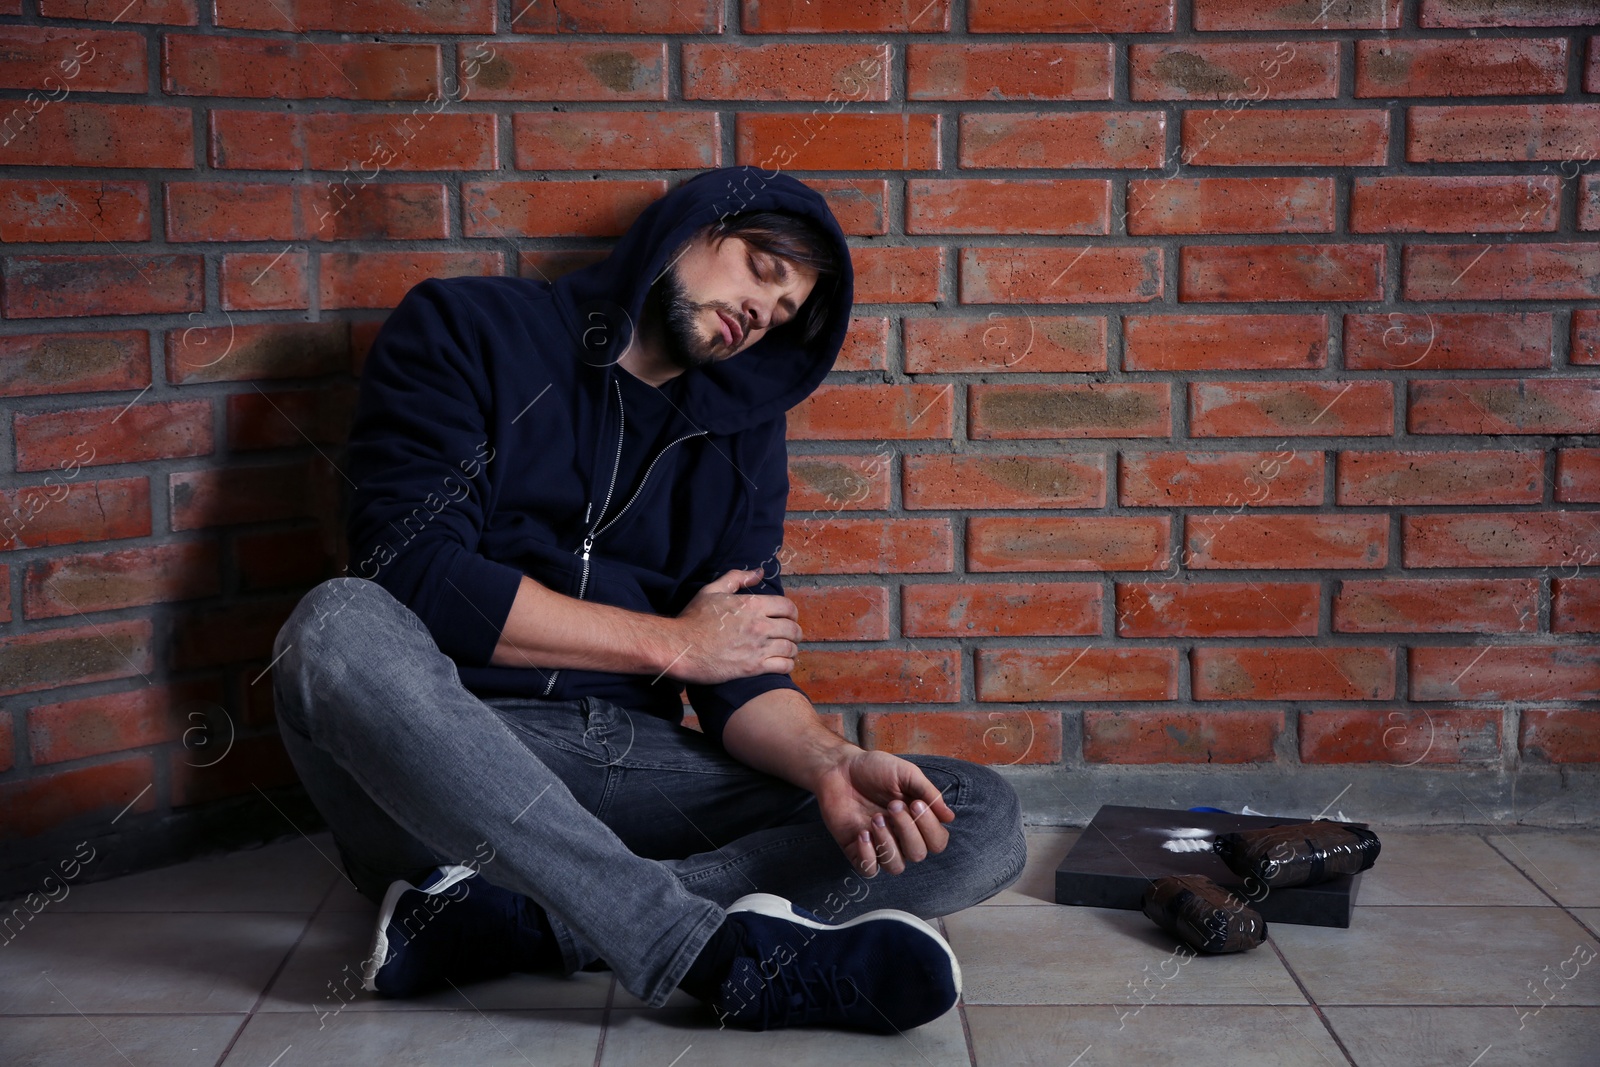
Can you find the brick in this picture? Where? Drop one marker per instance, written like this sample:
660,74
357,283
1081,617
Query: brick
860,205
1280,272
117,722
1480,477
106,581
1291,409
381,279
1589,196
265,140
1455,204
235,211
608,16
1230,205
867,546
248,351
1004,481
1007,738
845,16
1090,673
873,413
1243,70
61,61
866,344
1001,609
1591,74
880,676
77,798
1286,542
1293,672
1000,342
275,69
1304,137
121,433
550,264
1219,479
1504,539
1403,737
1070,16
336,211
838,482
1297,15
1449,340
47,363
357,16
1217,609
299,558
1090,275
98,136
127,284
838,140
253,763
266,281
1561,735
1437,606
1470,133
1224,342
211,635
1060,140
1066,71
786,71
897,275
612,141
998,205
554,209
1585,337
1028,412
288,418
1145,737
1507,13
1067,543
75,655
1575,605
842,612
67,210
1578,475
65,509
228,495
420,140
168,12
5,616
573,70
1506,672
1521,271
1509,66
1504,406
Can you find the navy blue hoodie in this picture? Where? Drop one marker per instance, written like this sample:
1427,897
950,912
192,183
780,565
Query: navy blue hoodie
487,428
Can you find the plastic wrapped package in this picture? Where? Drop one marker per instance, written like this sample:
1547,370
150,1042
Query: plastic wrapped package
1203,915
1300,853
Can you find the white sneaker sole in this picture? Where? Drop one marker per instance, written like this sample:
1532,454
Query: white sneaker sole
380,940
778,908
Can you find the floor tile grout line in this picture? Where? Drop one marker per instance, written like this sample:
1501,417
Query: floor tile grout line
961,1005
261,997
605,1020
1564,908
1327,1024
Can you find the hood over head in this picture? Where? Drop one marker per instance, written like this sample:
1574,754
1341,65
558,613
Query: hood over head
604,302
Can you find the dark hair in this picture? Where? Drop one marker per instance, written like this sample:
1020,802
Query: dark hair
796,239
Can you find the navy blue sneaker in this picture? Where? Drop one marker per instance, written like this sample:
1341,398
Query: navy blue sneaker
453,927
884,972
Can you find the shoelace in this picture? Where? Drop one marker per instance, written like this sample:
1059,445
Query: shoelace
805,994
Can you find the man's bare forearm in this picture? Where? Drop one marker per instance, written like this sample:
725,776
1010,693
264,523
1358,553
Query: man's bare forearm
549,630
779,732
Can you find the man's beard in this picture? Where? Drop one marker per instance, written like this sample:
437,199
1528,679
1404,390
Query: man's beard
678,319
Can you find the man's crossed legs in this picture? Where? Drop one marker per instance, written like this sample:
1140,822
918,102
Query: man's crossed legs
632,834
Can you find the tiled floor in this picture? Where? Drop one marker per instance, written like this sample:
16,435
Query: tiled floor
1468,949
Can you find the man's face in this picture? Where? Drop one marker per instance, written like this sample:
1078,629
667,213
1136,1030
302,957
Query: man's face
717,300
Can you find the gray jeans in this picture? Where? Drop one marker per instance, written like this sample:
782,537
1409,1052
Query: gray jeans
631,832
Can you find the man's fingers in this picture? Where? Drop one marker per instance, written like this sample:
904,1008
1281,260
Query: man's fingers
907,835
884,847
773,607
863,857
777,665
928,826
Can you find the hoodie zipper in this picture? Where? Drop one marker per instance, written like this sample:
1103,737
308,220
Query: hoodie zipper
597,529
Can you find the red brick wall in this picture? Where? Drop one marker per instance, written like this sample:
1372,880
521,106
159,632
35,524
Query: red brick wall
1219,393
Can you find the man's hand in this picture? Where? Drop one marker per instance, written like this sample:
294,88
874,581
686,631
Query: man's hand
883,811
725,634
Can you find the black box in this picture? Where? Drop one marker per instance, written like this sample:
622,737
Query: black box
1123,850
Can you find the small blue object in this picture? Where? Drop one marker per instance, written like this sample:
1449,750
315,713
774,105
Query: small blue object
1219,811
